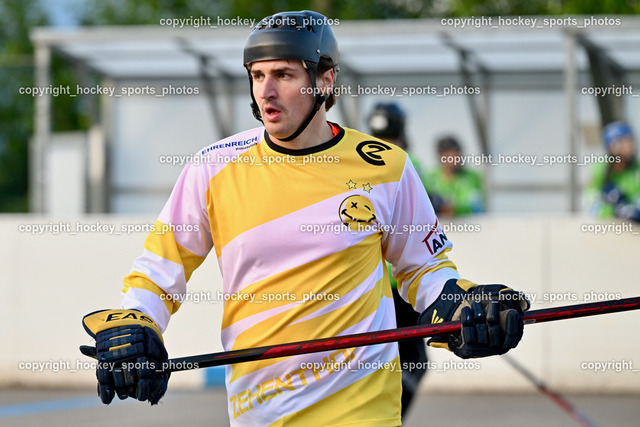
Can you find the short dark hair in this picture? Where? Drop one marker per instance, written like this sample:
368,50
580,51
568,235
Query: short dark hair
447,143
325,64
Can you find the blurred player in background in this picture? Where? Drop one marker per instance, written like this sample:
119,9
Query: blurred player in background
301,214
615,185
454,189
387,122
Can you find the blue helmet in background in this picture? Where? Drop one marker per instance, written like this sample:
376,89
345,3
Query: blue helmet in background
614,131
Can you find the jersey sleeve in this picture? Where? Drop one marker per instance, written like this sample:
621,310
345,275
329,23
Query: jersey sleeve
178,243
417,248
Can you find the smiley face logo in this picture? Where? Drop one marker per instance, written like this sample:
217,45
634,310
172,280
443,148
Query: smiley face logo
356,212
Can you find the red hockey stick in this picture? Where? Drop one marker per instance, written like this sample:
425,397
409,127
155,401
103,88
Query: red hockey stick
378,337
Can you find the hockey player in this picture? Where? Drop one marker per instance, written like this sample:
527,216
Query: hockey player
261,211
387,122
455,190
616,184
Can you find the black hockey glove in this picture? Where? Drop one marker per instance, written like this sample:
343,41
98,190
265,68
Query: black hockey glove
130,354
491,318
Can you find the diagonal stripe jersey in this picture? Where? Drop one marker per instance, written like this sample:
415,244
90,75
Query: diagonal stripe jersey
301,237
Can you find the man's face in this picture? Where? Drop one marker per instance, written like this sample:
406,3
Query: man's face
623,147
450,159
281,89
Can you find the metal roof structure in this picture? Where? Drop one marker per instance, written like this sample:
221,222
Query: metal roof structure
414,46
369,49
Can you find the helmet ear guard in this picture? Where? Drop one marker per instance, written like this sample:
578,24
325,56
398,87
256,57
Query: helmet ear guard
305,36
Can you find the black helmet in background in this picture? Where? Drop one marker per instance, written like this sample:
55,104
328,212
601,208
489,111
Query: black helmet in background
387,121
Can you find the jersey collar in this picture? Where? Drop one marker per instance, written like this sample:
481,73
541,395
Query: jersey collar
305,151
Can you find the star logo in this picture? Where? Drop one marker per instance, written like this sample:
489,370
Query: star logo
367,187
351,185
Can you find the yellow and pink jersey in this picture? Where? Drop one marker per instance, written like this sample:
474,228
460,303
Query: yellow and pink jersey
301,237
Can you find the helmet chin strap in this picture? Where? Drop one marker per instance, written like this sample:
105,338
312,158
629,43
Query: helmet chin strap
319,100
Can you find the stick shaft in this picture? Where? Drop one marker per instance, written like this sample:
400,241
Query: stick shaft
581,310
575,413
390,335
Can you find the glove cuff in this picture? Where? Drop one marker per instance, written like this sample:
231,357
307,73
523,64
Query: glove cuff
102,320
443,308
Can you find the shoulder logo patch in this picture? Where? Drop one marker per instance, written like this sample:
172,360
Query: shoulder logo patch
368,151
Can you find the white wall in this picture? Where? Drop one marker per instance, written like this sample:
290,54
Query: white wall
49,281
524,117
551,257
66,169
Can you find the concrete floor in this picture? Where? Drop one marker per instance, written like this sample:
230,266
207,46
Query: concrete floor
52,408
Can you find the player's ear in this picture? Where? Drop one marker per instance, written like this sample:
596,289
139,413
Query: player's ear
326,81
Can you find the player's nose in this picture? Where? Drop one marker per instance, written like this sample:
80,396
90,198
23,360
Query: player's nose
267,88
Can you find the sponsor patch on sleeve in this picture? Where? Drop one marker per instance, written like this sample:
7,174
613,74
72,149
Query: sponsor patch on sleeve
435,240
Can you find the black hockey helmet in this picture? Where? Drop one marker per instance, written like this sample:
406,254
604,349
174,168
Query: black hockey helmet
387,121
303,35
